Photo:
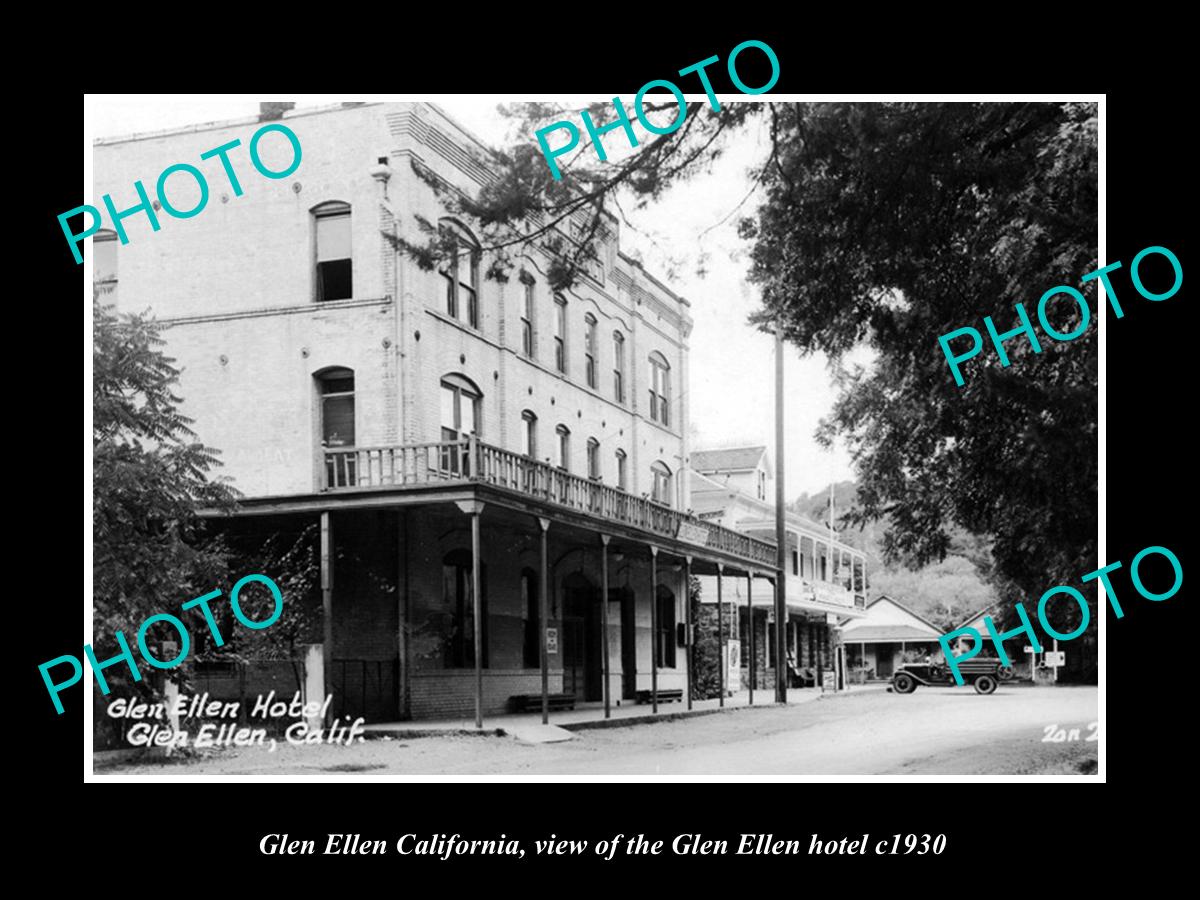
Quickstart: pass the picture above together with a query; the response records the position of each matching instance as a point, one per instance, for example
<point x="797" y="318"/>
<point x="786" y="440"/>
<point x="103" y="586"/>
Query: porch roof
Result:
<point x="886" y="634"/>
<point x="452" y="472"/>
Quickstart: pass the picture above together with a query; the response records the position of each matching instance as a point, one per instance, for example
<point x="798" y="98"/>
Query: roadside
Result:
<point x="934" y="731"/>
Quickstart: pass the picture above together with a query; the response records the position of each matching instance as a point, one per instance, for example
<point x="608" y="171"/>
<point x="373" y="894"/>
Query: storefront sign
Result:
<point x="693" y="534"/>
<point x="733" y="657"/>
<point x="551" y="640"/>
<point x="833" y="594"/>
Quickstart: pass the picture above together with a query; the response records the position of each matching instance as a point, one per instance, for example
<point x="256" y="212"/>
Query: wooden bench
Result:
<point x="533" y="702"/>
<point x="665" y="695"/>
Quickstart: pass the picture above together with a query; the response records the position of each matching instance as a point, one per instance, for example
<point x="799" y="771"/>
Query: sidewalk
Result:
<point x="591" y="715"/>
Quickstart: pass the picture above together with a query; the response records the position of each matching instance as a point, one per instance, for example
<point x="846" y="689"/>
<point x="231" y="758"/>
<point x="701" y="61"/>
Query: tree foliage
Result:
<point x="150" y="478"/>
<point x="152" y="551"/>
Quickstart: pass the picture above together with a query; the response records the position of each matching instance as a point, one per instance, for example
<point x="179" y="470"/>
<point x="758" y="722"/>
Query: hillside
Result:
<point x="945" y="592"/>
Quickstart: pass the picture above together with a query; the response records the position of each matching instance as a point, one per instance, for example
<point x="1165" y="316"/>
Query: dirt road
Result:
<point x="933" y="731"/>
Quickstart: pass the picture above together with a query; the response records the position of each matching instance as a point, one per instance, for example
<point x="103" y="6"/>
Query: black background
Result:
<point x="991" y="828"/>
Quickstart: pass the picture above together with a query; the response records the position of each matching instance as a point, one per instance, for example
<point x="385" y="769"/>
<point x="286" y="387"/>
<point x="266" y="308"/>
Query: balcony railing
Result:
<point x="475" y="461"/>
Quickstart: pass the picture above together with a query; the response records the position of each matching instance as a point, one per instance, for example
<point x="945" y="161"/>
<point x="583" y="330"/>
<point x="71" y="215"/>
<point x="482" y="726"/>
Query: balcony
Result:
<point x="474" y="462"/>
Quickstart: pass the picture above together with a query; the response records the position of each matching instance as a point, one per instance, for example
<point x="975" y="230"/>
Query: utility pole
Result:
<point x="780" y="530"/>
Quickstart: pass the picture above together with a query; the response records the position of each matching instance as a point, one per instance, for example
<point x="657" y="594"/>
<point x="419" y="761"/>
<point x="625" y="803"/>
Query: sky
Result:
<point x="732" y="365"/>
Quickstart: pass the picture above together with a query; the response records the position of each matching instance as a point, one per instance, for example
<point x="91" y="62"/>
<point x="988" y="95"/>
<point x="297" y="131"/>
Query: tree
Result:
<point x="150" y="479"/>
<point x="291" y="561"/>
<point x="152" y="549"/>
<point x="890" y="224"/>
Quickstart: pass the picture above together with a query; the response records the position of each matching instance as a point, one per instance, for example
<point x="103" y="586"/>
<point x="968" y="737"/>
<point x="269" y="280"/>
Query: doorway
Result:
<point x="628" y="643"/>
<point x="581" y="638"/>
<point x="883" y="660"/>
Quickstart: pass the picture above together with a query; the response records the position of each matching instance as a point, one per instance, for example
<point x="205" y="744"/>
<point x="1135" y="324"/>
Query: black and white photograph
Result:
<point x="661" y="436"/>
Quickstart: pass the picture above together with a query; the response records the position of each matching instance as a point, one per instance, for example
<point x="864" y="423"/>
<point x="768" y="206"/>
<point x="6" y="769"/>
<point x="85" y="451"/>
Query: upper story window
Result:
<point x="460" y="418"/>
<point x="762" y="485"/>
<point x="592" y="264"/>
<point x="529" y="442"/>
<point x="806" y="558"/>
<point x="662" y="483"/>
<point x="460" y="272"/>
<point x="334" y="263"/>
<point x="104" y="261"/>
<point x="593" y="459"/>
<point x="622" y="481"/>
<point x="528" y="308"/>
<point x="560" y="333"/>
<point x="660" y="389"/>
<point x="337" y="407"/>
<point x="589" y="348"/>
<point x="618" y="367"/>
<point x="564" y="447"/>
<point x="336" y="390"/>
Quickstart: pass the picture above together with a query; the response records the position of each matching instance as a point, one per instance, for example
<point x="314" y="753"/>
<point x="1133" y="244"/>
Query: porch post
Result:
<point x="327" y="603"/>
<point x="750" y="630"/>
<point x="654" y="628"/>
<point x="720" y="636"/>
<point x="473" y="508"/>
<point x="544" y="615"/>
<point x="604" y="539"/>
<point x="687" y="625"/>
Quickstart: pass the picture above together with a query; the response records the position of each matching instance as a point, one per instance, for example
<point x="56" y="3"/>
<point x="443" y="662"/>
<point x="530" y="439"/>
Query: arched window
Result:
<point x="529" y="441"/>
<point x="334" y="274"/>
<point x="531" y="611"/>
<point x="528" y="316"/>
<point x="662" y="483"/>
<point x="460" y="418"/>
<point x="593" y="459"/>
<point x="104" y="261"/>
<point x="560" y="333"/>
<point x="564" y="447"/>
<point x="618" y="367"/>
<point x="622" y="479"/>
<point x="460" y="271"/>
<point x="660" y="389"/>
<point x="459" y="612"/>
<point x="589" y="349"/>
<point x="335" y="389"/>
<point x="337" y="407"/>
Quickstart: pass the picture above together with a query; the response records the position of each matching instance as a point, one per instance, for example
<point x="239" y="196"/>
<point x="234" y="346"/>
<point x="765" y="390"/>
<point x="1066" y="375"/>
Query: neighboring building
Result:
<point x="879" y="642"/>
<point x="428" y="420"/>
<point x="826" y="579"/>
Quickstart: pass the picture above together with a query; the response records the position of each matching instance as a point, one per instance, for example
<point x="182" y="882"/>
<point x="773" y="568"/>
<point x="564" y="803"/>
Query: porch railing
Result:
<point x="474" y="461"/>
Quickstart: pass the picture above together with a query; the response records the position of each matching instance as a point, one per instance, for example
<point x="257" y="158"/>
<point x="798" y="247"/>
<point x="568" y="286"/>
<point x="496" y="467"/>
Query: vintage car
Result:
<point x="984" y="673"/>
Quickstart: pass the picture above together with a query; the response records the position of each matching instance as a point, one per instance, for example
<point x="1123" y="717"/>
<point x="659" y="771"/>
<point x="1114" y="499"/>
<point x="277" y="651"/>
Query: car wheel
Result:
<point x="904" y="683"/>
<point x="985" y="684"/>
<point x="1007" y="673"/>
